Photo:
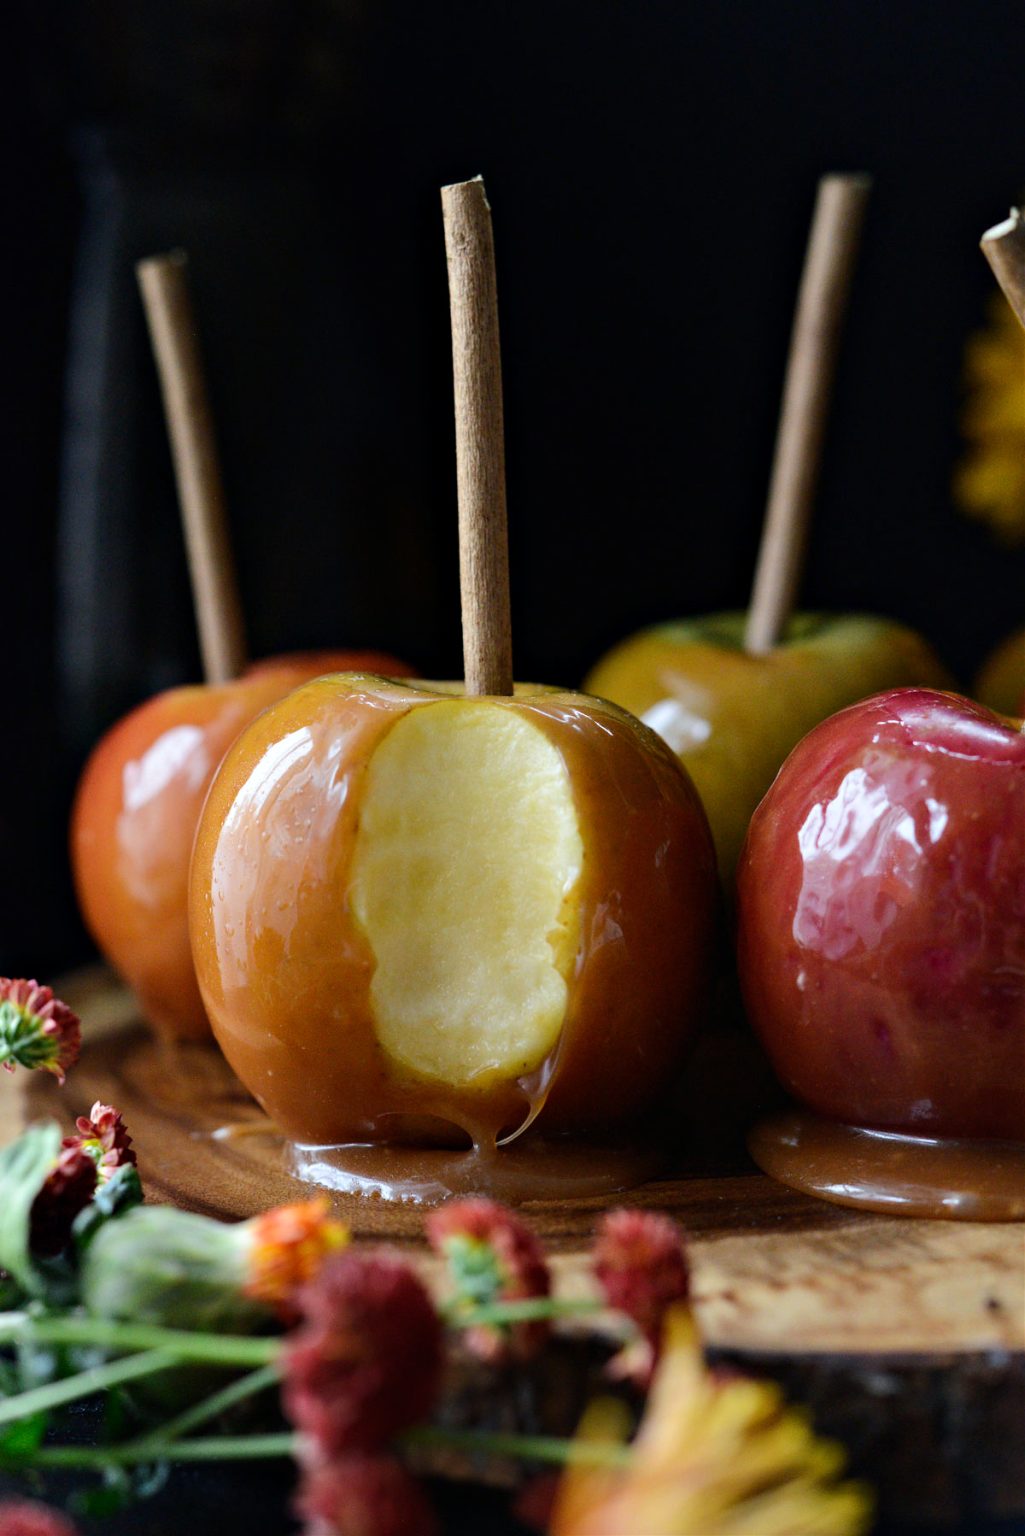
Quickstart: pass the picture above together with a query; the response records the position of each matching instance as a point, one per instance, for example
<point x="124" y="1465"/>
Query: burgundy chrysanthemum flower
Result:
<point x="102" y="1133"/>
<point x="361" y="1495"/>
<point x="68" y="1190"/>
<point x="366" y="1360"/>
<point x="37" y="1030"/>
<point x="641" y="1265"/>
<point x="24" y="1517"/>
<point x="492" y="1256"/>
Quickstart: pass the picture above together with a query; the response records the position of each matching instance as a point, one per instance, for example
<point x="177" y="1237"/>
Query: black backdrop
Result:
<point x="652" y="167"/>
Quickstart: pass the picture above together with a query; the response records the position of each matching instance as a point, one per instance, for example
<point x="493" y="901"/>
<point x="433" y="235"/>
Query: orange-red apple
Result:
<point x="134" y="820"/>
<point x="412" y="907"/>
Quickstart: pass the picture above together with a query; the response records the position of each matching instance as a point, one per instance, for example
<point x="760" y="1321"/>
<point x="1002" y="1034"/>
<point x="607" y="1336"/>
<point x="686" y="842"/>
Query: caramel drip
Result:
<point x="956" y="1180"/>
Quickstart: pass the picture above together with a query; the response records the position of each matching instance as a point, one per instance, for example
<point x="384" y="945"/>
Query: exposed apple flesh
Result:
<point x="465" y="880"/>
<point x="881" y="918"/>
<point x="732" y="717"/>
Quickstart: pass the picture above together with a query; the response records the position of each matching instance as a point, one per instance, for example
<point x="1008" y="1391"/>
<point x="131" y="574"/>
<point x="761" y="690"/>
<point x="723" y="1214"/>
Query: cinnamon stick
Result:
<point x="480" y="441"/>
<point x="1004" y="248"/>
<point x="163" y="282"/>
<point x="814" y="345"/>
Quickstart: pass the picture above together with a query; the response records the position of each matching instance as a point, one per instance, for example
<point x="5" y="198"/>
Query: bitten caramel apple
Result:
<point x="421" y="916"/>
<point x="134" y="820"/>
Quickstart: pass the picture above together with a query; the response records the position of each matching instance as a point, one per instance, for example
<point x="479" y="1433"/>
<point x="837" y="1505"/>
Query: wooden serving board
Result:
<point x="906" y="1337"/>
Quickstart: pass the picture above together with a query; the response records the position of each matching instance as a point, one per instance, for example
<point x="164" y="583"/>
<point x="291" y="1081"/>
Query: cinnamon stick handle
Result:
<point x="821" y="305"/>
<point x="1004" y="248"/>
<point x="480" y="444"/>
<point x="163" y="282"/>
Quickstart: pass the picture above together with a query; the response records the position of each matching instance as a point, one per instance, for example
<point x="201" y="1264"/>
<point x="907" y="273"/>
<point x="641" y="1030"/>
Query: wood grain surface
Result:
<point x="773" y="1269"/>
<point x="905" y="1337"/>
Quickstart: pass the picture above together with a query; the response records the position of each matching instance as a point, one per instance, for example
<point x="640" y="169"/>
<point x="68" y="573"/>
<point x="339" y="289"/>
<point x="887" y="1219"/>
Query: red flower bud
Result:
<point x="361" y="1495"/>
<point x="492" y="1256"/>
<point x="37" y="1030"/>
<point x="21" y="1517"/>
<point x="641" y="1265"/>
<point x="68" y="1190"/>
<point x="366" y="1360"/>
<point x="103" y="1135"/>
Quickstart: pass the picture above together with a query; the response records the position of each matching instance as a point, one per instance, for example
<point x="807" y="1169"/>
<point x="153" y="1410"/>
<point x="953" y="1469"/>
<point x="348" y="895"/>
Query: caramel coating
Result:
<point x="285" y="970"/>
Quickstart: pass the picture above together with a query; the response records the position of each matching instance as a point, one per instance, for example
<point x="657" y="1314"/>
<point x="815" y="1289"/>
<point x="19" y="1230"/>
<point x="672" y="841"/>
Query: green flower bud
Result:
<point x="165" y="1266"/>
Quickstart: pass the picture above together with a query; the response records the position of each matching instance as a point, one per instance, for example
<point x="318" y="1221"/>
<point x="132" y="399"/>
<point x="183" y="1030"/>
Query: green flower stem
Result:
<point x="528" y="1310"/>
<point x="586" y="1453"/>
<point x="98" y="1378"/>
<point x="256" y="1447"/>
<point x="217" y="1403"/>
<point x="207" y="1348"/>
<point x="216" y="1448"/>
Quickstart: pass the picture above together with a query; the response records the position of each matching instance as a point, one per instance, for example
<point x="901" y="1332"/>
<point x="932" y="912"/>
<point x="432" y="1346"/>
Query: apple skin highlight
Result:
<point x="286" y="970"/>
<point x="881" y="910"/>
<point x="134" y="820"/>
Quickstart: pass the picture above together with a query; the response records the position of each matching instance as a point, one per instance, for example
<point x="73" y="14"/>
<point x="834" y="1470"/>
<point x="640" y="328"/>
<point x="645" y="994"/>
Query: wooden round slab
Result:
<point x="906" y="1338"/>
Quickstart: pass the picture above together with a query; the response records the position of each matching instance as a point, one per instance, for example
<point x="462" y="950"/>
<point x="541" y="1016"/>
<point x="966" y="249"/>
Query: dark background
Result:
<point x="652" y="166"/>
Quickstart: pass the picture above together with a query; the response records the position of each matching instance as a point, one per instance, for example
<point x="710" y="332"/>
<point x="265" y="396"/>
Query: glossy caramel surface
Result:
<point x="881" y="910"/>
<point x="134" y="821"/>
<point x="732" y="718"/>
<point x="899" y="1175"/>
<point x="285" y="970"/>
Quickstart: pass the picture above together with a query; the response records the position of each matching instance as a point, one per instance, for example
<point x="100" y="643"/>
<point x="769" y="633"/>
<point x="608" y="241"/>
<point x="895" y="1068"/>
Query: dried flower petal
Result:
<point x="361" y="1495"/>
<point x="366" y="1361"/>
<point x="68" y="1190"/>
<point x="102" y="1133"/>
<point x="641" y="1265"/>
<point x="288" y="1246"/>
<point x="492" y="1256"/>
<point x="715" y="1453"/>
<point x="37" y="1030"/>
<point x="24" y="1517"/>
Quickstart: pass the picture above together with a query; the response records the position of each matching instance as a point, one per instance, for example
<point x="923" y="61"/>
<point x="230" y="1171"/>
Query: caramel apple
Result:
<point x="414" y="911"/>
<point x="732" y="717"/>
<point x="881" y="944"/>
<point x="881" y="901"/>
<point x="134" y="821"/>
<point x="448" y="914"/>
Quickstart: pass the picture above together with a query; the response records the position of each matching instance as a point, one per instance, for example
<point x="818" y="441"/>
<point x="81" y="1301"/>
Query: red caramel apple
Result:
<point x="134" y="821"/>
<point x="421" y="915"/>
<point x="881" y="902"/>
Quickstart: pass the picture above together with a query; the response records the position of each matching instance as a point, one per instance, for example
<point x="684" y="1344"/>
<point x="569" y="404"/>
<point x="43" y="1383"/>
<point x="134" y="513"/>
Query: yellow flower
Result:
<point x="715" y="1455"/>
<point x="990" y="480"/>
